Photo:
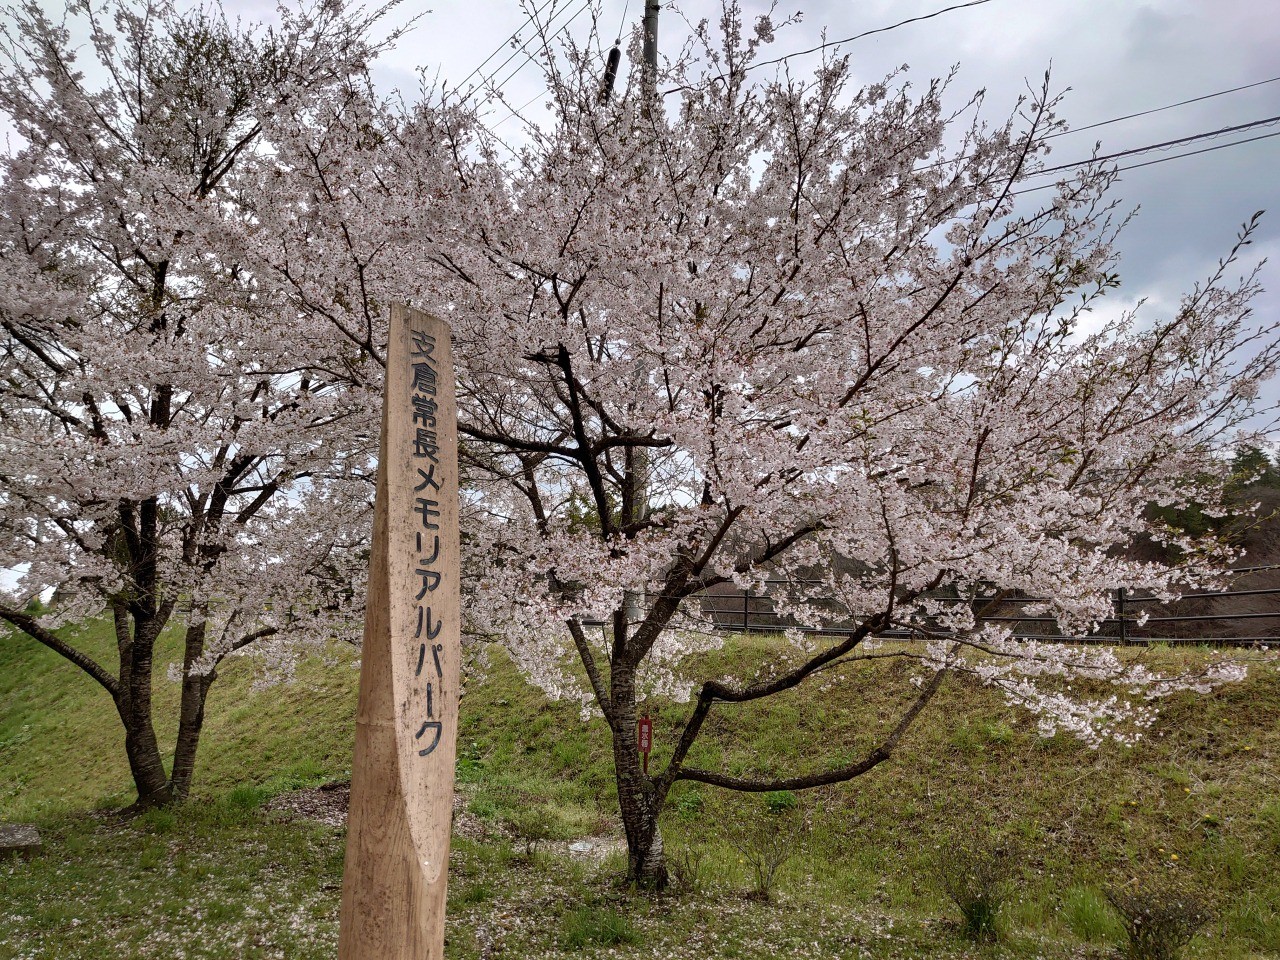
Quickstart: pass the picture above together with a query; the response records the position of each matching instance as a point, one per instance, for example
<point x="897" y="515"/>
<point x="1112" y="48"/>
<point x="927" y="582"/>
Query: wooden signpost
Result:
<point x="393" y="885"/>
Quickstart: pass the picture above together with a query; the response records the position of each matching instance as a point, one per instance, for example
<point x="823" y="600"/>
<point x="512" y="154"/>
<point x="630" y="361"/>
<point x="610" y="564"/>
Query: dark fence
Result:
<point x="1244" y="617"/>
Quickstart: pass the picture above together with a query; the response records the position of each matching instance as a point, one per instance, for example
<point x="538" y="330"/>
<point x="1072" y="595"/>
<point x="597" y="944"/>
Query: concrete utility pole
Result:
<point x="636" y="461"/>
<point x="650" y="80"/>
<point x="394" y="878"/>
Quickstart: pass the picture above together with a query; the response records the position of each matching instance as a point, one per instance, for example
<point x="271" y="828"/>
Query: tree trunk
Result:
<point x="134" y="707"/>
<point x="646" y="859"/>
<point x="195" y="689"/>
<point x="646" y="864"/>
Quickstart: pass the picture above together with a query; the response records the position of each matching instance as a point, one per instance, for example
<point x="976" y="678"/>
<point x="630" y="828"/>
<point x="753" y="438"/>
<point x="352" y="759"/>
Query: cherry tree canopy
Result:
<point x="792" y="330"/>
<point x="782" y="328"/>
<point x="176" y="436"/>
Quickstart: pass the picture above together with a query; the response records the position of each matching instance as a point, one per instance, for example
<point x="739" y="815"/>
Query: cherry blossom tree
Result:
<point x="782" y="329"/>
<point x="178" y="444"/>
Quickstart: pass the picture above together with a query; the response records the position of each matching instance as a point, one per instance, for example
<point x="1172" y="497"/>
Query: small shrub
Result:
<point x="1159" y="918"/>
<point x="531" y="825"/>
<point x="766" y="844"/>
<point x="978" y="879"/>
<point x="590" y="926"/>
<point x="688" y="869"/>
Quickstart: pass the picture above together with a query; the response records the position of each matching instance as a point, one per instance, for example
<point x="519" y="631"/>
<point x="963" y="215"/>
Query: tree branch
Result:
<point x="593" y="670"/>
<point x="245" y="640"/>
<point x="28" y="625"/>
<point x="877" y="756"/>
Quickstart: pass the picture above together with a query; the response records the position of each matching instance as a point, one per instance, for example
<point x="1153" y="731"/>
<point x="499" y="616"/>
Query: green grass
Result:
<point x="1087" y="914"/>
<point x="230" y="879"/>
<point x="594" y="925"/>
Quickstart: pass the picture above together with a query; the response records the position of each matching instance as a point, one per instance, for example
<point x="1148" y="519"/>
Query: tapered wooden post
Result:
<point x="393" y="884"/>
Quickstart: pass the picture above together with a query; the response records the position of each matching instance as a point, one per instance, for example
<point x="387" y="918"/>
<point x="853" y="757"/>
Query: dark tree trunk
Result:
<point x="133" y="704"/>
<point x="646" y="863"/>
<point x="195" y="689"/>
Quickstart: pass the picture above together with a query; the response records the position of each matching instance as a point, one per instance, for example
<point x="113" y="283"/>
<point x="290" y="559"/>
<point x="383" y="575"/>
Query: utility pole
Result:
<point x="636" y="462"/>
<point x="650" y="79"/>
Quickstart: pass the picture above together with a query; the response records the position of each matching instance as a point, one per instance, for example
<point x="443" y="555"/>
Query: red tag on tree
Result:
<point x="646" y="734"/>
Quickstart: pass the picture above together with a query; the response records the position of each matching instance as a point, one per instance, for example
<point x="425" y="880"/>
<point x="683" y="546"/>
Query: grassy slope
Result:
<point x="1203" y="788"/>
<point x="62" y="746"/>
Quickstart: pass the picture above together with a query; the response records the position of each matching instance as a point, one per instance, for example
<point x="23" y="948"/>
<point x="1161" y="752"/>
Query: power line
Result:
<point x="1192" y="153"/>
<point x="622" y="24"/>
<point x="1128" y="116"/>
<point x="867" y="33"/>
<point x="517" y="111"/>
<point x="1238" y="128"/>
<point x="503" y="45"/>
<point x="1145" y="113"/>
<point x="524" y="46"/>
<point x="1176" y="156"/>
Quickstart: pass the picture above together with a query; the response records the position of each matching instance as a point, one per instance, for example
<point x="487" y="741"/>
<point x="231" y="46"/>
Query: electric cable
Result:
<point x="524" y="47"/>
<point x="866" y="33"/>
<point x="518" y="111"/>
<point x="1170" y="106"/>
<point x="1177" y="141"/>
<point x="1149" y="163"/>
<point x="502" y="46"/>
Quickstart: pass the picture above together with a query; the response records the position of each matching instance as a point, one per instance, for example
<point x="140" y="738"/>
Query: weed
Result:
<point x="471" y="765"/>
<point x="158" y="820"/>
<point x="688" y="869"/>
<point x="247" y="797"/>
<point x="1269" y="820"/>
<point x="766" y="843"/>
<point x="1087" y="914"/>
<point x="1256" y="917"/>
<point x="689" y="803"/>
<point x="530" y="826"/>
<point x="476" y="893"/>
<point x="780" y="801"/>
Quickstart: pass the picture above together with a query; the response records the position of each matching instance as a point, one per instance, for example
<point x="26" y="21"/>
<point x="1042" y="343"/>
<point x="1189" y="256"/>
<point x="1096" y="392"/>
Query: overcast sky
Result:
<point x="1117" y="57"/>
